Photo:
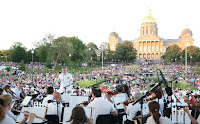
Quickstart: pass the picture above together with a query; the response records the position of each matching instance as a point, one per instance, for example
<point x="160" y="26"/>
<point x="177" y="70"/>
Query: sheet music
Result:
<point x="68" y="112"/>
<point x="74" y="100"/>
<point x="39" y="111"/>
<point x="65" y="97"/>
<point x="26" y="100"/>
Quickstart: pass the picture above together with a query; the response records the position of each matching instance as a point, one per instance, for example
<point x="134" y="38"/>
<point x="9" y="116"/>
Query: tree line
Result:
<point x="175" y="54"/>
<point x="69" y="51"/>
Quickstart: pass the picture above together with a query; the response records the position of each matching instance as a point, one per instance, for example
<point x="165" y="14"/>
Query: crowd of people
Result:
<point x="122" y="86"/>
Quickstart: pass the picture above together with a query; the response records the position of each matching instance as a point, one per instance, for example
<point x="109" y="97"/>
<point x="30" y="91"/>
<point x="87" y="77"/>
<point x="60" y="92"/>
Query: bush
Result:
<point x="8" y="68"/>
<point x="22" y="66"/>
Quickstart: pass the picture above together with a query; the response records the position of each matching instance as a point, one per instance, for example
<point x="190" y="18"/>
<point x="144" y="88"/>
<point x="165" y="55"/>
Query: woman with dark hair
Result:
<point x="126" y="91"/>
<point x="155" y="117"/>
<point x="78" y="116"/>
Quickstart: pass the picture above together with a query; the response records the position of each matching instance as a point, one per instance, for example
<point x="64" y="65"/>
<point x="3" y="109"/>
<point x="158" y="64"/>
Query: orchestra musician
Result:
<point x="157" y="95"/>
<point x="131" y="110"/>
<point x="167" y="104"/>
<point x="1" y="91"/>
<point x="55" y="105"/>
<point x="99" y="105"/>
<point x="5" y="106"/>
<point x="66" y="81"/>
<point x="50" y="96"/>
<point x="119" y="95"/>
<point x="78" y="116"/>
<point x="18" y="90"/>
<point x="156" y="117"/>
<point x="193" y="105"/>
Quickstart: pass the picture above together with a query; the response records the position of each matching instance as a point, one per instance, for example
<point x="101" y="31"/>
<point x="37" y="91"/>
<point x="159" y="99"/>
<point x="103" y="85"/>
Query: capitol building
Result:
<point x="150" y="45"/>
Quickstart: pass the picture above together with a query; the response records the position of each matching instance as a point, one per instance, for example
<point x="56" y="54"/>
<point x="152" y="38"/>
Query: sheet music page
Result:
<point x="68" y="112"/>
<point x="74" y="100"/>
<point x="26" y="100"/>
<point x="39" y="111"/>
<point x="65" y="97"/>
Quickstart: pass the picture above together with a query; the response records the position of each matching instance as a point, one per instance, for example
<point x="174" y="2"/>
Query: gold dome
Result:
<point x="149" y="18"/>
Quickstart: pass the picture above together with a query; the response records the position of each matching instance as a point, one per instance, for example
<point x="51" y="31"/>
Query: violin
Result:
<point x="85" y="103"/>
<point x="125" y="102"/>
<point x="111" y="93"/>
<point x="152" y="98"/>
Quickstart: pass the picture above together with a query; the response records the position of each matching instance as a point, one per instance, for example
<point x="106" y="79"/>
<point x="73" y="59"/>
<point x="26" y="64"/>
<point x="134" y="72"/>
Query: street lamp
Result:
<point x="175" y="60"/>
<point x="32" y="52"/>
<point x="191" y="59"/>
<point x="186" y="56"/>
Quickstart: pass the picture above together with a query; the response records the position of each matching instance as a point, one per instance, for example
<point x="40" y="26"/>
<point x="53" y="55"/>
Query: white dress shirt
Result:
<point x="46" y="99"/>
<point x="17" y="92"/>
<point x="52" y="109"/>
<point x="65" y="80"/>
<point x="163" y="120"/>
<point x="132" y="110"/>
<point x="100" y="106"/>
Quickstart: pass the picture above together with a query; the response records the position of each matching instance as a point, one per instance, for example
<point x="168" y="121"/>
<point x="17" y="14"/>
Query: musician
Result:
<point x="99" y="105"/>
<point x="167" y="104"/>
<point x="78" y="116"/>
<point x="157" y="95"/>
<point x="50" y="96"/>
<point x="193" y="121"/>
<point x="194" y="106"/>
<point x="1" y="91"/>
<point x="18" y="89"/>
<point x="131" y="110"/>
<point x="65" y="80"/>
<point x="156" y="117"/>
<point x="6" y="89"/>
<point x="5" y="106"/>
<point x="54" y="104"/>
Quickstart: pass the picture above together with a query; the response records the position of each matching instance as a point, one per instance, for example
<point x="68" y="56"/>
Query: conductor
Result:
<point x="66" y="81"/>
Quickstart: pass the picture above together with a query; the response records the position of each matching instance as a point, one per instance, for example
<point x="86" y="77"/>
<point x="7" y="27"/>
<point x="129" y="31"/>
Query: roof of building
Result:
<point x="187" y="30"/>
<point x="114" y="34"/>
<point x="171" y="40"/>
<point x="149" y="18"/>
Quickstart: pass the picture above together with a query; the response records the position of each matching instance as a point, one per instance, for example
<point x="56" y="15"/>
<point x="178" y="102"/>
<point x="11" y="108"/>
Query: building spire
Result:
<point x="113" y="29"/>
<point x="149" y="11"/>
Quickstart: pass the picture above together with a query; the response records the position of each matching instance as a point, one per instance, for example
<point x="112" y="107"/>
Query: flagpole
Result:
<point x="102" y="57"/>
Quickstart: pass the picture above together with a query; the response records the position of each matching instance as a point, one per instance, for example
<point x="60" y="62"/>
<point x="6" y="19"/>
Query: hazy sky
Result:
<point x="28" y="21"/>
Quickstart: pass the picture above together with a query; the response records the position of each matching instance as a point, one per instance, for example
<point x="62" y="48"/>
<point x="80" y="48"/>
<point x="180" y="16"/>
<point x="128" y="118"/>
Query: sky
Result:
<point x="28" y="21"/>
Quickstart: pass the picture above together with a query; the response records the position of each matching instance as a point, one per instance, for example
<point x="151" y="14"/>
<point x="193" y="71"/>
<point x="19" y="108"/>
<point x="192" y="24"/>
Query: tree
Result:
<point x="173" y="53"/>
<point x="78" y="53"/>
<point x="193" y="53"/>
<point x="44" y="48"/>
<point x="126" y="52"/>
<point x="18" y="52"/>
<point x="22" y="66"/>
<point x="90" y="53"/>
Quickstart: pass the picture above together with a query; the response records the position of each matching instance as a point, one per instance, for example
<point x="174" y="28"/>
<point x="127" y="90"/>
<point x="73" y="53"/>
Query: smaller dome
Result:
<point x="114" y="34"/>
<point x="187" y="30"/>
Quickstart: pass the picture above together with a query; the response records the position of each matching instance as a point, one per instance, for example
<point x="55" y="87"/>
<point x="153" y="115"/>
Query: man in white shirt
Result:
<point x="54" y="104"/>
<point x="18" y="90"/>
<point x="100" y="106"/>
<point x="49" y="97"/>
<point x="131" y="110"/>
<point x="66" y="81"/>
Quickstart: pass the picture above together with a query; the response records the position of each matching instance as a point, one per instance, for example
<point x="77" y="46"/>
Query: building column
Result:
<point x="155" y="49"/>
